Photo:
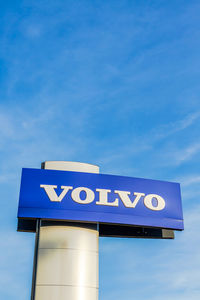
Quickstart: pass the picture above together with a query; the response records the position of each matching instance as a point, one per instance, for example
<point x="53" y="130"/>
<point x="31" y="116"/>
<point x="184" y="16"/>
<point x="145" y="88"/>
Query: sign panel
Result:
<point x="109" y="199"/>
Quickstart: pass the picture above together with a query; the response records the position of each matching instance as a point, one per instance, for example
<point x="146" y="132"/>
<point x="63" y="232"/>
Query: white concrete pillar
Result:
<point x="66" y="255"/>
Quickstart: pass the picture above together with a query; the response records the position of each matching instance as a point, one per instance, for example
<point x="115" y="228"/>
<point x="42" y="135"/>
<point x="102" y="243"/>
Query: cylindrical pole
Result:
<point x="66" y="254"/>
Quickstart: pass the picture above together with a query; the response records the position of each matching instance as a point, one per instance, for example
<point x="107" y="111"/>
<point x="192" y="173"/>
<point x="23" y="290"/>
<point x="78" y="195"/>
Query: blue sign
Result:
<point x="89" y="197"/>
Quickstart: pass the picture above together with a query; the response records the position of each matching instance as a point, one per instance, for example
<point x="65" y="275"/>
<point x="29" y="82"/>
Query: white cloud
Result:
<point x="180" y="262"/>
<point x="171" y="265"/>
<point x="33" y="30"/>
<point x="185" y="154"/>
<point x="179" y="125"/>
<point x="189" y="180"/>
<point x="15" y="260"/>
<point x="171" y="128"/>
<point x="6" y="125"/>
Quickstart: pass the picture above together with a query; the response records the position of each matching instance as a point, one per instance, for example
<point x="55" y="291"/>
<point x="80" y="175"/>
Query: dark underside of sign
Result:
<point x="105" y="230"/>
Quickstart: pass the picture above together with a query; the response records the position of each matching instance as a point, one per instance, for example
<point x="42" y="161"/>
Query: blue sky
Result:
<point x="113" y="83"/>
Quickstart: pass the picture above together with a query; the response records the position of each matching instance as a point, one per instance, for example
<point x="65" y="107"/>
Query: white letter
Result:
<point x="160" y="202"/>
<point x="126" y="200"/>
<point x="103" y="198"/>
<point x="89" y="195"/>
<point x="50" y="190"/>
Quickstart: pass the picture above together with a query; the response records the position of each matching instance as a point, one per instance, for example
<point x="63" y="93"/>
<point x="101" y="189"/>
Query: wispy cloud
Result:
<point x="117" y="84"/>
<point x="183" y="155"/>
<point x="173" y="127"/>
<point x="14" y="266"/>
<point x="171" y="265"/>
<point x="182" y="265"/>
<point x="6" y="126"/>
<point x="189" y="180"/>
<point x="169" y="152"/>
